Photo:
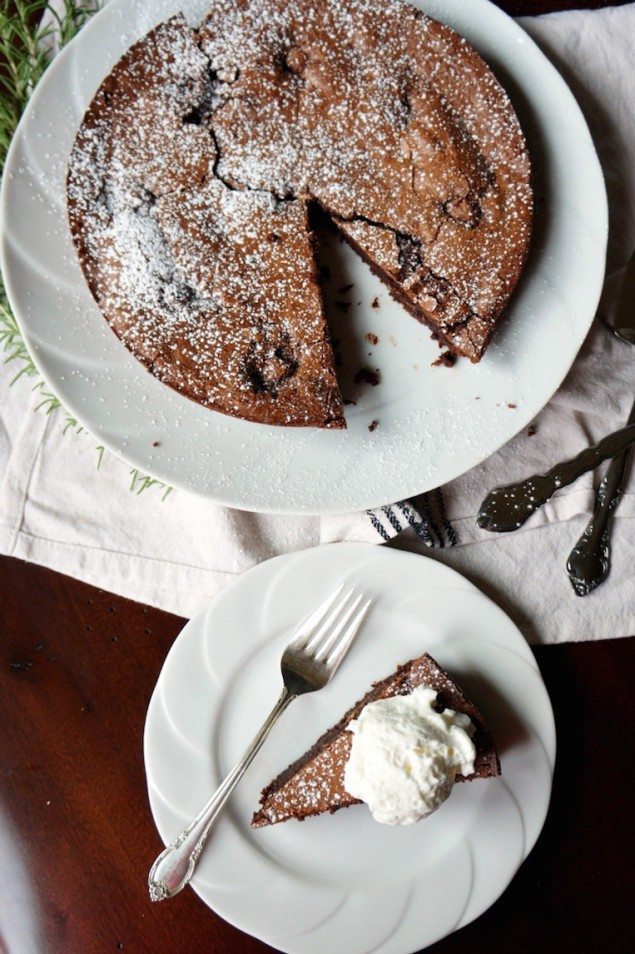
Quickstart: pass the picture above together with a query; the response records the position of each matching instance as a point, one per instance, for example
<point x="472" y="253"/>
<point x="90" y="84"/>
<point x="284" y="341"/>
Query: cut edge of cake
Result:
<point x="454" y="322"/>
<point x="310" y="395"/>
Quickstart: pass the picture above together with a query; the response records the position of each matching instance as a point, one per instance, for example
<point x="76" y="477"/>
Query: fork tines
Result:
<point x="328" y="632"/>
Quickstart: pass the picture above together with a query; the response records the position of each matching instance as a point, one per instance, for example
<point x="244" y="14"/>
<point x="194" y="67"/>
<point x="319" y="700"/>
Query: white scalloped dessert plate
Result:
<point x="430" y="428"/>
<point x="344" y="882"/>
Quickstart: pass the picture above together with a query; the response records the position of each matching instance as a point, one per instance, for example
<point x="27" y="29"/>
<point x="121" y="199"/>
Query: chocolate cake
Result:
<point x="314" y="784"/>
<point x="194" y="169"/>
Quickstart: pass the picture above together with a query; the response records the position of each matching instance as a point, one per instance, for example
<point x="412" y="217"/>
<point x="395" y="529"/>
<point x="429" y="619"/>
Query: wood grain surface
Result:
<point x="77" y="668"/>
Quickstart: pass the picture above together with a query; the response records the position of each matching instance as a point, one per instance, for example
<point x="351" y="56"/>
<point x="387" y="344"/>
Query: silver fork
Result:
<point x="310" y="660"/>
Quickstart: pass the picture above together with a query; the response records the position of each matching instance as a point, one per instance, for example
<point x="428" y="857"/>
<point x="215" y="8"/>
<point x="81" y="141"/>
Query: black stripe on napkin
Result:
<point x="416" y="521"/>
<point x="435" y="533"/>
<point x="449" y="529"/>
<point x="377" y="525"/>
<point x="393" y="519"/>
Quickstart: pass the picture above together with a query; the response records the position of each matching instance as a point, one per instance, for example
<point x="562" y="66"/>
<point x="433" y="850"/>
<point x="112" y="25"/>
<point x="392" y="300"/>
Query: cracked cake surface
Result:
<point x="314" y="784"/>
<point x="191" y="177"/>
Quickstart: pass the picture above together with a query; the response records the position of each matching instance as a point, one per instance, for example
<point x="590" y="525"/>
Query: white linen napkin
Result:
<point x="59" y="509"/>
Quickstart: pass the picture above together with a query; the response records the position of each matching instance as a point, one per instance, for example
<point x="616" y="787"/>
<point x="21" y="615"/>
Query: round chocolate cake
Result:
<point x="194" y="170"/>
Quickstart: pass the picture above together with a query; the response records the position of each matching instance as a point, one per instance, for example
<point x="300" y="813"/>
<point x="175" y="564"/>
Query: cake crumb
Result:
<point x="375" y="303"/>
<point x="156" y="443"/>
<point x="372" y="338"/>
<point x="368" y="376"/>
<point x="531" y="430"/>
<point x="373" y="425"/>
<point x="512" y="406"/>
<point x="446" y="359"/>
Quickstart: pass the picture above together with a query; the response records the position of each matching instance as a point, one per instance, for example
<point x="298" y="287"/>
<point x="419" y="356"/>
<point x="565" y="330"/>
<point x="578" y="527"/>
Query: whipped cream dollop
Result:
<point x="405" y="756"/>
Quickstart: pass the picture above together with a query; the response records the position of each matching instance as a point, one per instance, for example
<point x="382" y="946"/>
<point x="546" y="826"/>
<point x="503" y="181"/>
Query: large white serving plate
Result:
<point x="343" y="882"/>
<point x="431" y="425"/>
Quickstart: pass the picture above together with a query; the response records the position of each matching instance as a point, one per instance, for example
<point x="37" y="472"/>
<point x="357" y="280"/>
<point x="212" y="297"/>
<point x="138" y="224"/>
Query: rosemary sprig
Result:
<point x="27" y="42"/>
<point x="23" y="59"/>
<point x="12" y="343"/>
<point x="49" y="402"/>
<point x="31" y="32"/>
<point x="72" y="424"/>
<point x="141" y="482"/>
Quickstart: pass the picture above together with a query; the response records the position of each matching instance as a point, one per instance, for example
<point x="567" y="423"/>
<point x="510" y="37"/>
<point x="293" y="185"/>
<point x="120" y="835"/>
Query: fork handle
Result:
<point x="589" y="562"/>
<point x="175" y="865"/>
<point x="507" y="508"/>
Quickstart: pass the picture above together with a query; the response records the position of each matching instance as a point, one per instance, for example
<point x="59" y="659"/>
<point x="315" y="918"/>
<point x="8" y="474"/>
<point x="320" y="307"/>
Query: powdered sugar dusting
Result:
<point x="400" y="131"/>
<point x="190" y="177"/>
<point x="212" y="287"/>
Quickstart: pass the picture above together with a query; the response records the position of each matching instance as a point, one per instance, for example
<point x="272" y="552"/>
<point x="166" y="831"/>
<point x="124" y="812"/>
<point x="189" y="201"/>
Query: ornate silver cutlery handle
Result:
<point x="507" y="508"/>
<point x="590" y="560"/>
<point x="175" y="865"/>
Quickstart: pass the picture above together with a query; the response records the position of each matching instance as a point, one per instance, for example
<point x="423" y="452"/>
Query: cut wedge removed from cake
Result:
<point x="314" y="784"/>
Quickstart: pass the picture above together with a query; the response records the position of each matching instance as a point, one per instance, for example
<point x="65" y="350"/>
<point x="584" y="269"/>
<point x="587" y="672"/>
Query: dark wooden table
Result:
<point x="77" y="668"/>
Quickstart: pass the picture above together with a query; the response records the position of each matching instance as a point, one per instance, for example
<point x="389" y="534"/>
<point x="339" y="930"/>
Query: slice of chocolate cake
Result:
<point x="315" y="782"/>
